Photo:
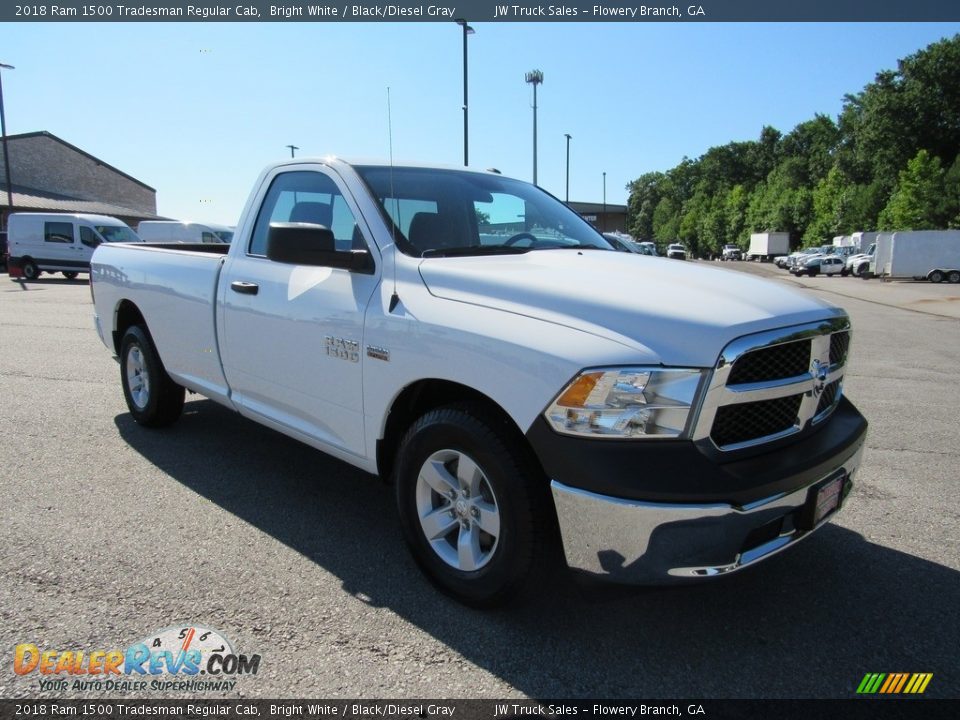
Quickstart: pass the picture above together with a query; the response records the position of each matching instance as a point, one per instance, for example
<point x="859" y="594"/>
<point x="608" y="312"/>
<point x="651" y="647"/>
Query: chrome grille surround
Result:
<point x="819" y="388"/>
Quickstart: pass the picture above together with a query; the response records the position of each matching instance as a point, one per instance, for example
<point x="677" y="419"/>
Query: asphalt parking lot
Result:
<point x="111" y="532"/>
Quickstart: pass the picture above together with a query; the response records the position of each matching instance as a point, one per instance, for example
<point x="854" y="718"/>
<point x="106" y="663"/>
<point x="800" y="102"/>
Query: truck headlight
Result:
<point x="634" y="402"/>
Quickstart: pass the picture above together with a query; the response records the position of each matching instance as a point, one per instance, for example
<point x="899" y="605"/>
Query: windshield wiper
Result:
<point x="475" y="250"/>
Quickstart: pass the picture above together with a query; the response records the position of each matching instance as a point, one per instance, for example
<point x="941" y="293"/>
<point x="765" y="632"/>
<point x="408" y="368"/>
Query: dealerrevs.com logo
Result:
<point x="185" y="659"/>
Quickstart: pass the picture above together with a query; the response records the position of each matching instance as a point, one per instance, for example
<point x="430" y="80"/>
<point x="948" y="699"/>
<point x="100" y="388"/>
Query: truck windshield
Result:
<point x="450" y="212"/>
<point x="224" y="235"/>
<point x="117" y="233"/>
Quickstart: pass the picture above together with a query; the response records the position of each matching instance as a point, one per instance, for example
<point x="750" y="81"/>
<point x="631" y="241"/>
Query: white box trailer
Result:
<point x="881" y="253"/>
<point x="769" y="245"/>
<point x="863" y="240"/>
<point x="920" y="254"/>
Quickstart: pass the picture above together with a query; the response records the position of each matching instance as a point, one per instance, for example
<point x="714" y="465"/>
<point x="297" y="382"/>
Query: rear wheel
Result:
<point x="936" y="276"/>
<point x="30" y="269"/>
<point x="473" y="505"/>
<point x="153" y="398"/>
<point x="953" y="276"/>
<point x="71" y="275"/>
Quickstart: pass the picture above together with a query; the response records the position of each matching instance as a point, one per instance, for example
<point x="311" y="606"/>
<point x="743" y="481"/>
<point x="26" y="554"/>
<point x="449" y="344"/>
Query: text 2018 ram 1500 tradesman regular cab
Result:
<point x="470" y="338"/>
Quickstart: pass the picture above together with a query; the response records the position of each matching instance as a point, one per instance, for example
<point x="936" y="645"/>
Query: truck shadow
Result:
<point x="809" y="623"/>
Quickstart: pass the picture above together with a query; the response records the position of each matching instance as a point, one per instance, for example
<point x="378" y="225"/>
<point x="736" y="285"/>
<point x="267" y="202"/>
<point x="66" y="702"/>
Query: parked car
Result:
<point x="731" y="252"/>
<point x="173" y="231"/>
<point x="676" y="251"/>
<point x="799" y="257"/>
<point x="621" y="243"/>
<point x="648" y="248"/>
<point x="820" y="265"/>
<point x="60" y="242"/>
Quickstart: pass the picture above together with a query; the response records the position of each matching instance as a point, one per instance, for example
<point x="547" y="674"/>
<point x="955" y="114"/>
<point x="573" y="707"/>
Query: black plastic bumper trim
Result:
<point x="676" y="471"/>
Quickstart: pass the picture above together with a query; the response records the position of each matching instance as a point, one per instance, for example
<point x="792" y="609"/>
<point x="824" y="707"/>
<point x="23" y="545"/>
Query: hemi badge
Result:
<point x="378" y="353"/>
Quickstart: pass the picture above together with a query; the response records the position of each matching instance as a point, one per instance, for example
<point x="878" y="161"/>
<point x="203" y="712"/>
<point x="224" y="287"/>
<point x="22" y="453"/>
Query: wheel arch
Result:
<point x="126" y="315"/>
<point x="425" y="395"/>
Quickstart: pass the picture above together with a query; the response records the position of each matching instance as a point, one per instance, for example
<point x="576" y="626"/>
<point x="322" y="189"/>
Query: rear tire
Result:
<point x="30" y="270"/>
<point x="71" y="275"/>
<point x="474" y="506"/>
<point x="953" y="277"/>
<point x="936" y="276"/>
<point x="153" y="398"/>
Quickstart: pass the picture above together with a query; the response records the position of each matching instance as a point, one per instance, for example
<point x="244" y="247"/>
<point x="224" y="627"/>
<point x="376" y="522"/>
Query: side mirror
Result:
<point x="298" y="243"/>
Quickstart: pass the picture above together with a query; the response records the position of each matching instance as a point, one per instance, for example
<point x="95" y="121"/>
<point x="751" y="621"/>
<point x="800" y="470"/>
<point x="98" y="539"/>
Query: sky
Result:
<point x="197" y="110"/>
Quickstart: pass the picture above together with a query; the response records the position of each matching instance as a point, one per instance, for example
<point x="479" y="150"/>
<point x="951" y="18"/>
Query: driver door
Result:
<point x="292" y="335"/>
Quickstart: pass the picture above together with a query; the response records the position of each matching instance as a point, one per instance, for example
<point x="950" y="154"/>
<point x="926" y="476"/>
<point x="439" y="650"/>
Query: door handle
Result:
<point x="244" y="288"/>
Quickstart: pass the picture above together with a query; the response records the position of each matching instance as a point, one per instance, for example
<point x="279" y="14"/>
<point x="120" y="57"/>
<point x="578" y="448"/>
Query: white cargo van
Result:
<point x="174" y="231"/>
<point x="60" y="242"/>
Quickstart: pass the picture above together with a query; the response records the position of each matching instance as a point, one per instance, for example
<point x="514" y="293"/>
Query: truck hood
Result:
<point x="670" y="311"/>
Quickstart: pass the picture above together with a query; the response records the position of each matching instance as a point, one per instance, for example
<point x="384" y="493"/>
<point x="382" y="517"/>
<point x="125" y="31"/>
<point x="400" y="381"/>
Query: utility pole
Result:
<point x="6" y="152"/>
<point x="534" y="77"/>
<point x="292" y="148"/>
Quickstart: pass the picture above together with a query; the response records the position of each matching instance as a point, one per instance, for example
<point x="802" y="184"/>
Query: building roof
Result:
<point x="25" y="198"/>
<point x="51" y="136"/>
<point x="595" y="207"/>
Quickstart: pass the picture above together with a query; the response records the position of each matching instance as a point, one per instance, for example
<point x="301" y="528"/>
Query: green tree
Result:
<point x="645" y="194"/>
<point x="918" y="202"/>
<point x="735" y="214"/>
<point x="666" y="221"/>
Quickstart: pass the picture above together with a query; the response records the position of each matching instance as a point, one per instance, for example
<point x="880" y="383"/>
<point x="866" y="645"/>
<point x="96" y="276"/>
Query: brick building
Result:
<point x="605" y="218"/>
<point x="48" y="174"/>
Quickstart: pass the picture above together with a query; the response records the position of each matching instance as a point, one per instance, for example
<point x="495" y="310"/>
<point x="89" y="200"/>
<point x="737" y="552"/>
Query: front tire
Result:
<point x="474" y="506"/>
<point x="153" y="398"/>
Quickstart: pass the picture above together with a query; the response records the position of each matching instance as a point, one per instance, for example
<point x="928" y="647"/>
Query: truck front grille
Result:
<point x="779" y="361"/>
<point x="771" y="385"/>
<point x="747" y="421"/>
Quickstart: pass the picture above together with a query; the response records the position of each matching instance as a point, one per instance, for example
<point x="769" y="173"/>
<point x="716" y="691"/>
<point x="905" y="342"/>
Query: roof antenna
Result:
<point x="394" y="299"/>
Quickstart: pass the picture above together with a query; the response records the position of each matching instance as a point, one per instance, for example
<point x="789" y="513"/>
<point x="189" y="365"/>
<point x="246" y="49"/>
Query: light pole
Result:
<point x="534" y="77"/>
<point x="292" y="148"/>
<point x="467" y="30"/>
<point x="6" y="153"/>
<point x="604" y="201"/>
<point x="568" y="136"/>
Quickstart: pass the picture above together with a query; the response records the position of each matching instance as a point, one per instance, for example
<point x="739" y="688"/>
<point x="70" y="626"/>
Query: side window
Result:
<point x="88" y="237"/>
<point x="308" y="197"/>
<point x="208" y="237"/>
<point x="58" y="232"/>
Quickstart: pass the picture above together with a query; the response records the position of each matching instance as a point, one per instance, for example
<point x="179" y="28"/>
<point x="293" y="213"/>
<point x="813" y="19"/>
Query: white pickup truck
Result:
<point x="476" y="343"/>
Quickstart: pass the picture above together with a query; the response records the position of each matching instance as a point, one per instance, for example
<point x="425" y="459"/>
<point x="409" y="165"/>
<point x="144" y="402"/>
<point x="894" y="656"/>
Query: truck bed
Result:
<point x="175" y="288"/>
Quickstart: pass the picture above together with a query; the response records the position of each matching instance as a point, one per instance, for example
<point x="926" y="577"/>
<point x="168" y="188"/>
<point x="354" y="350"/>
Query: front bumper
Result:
<point x="655" y="538"/>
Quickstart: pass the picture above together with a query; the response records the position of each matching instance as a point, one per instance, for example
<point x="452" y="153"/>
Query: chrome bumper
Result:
<point x="636" y="542"/>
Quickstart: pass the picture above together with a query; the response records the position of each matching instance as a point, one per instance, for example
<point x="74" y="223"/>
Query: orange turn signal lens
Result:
<point x="576" y="395"/>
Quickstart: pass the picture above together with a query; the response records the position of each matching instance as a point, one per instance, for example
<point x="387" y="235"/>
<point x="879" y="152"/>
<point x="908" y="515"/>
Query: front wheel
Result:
<point x="936" y="276"/>
<point x="473" y="505"/>
<point x="153" y="398"/>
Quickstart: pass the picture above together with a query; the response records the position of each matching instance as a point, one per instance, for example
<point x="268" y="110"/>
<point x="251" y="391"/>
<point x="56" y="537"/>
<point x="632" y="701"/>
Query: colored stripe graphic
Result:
<point x="894" y="683"/>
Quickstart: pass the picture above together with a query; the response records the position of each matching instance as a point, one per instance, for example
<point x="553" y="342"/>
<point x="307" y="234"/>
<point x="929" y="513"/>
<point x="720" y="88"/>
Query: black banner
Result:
<point x="486" y="11"/>
<point x="855" y="709"/>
